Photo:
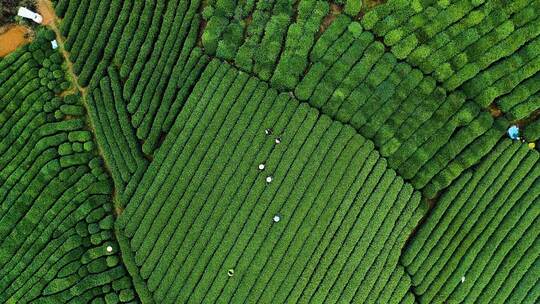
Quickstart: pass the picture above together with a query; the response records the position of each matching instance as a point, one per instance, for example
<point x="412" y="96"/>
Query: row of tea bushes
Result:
<point x="480" y="242"/>
<point x="56" y="222"/>
<point x="488" y="47"/>
<point x="420" y="127"/>
<point x="205" y="205"/>
<point x="153" y="46"/>
<point x="116" y="136"/>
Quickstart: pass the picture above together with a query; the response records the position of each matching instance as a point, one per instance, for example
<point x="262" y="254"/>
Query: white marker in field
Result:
<point x="269" y="179"/>
<point x="278" y="140"/>
<point x="230" y="272"/>
<point x="109" y="249"/>
<point x="26" y="13"/>
<point x="261" y="166"/>
<point x="268" y="131"/>
<point x="463" y="279"/>
<point x="276" y="218"/>
<point x="54" y="44"/>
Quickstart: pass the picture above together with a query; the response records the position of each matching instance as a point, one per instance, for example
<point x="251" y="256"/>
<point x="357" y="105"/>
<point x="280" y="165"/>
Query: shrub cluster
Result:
<point x="481" y="229"/>
<point x="209" y="208"/>
<point x="489" y="48"/>
<point x="350" y="114"/>
<point x="149" y="42"/>
<point x="56" y="224"/>
<point x="428" y="136"/>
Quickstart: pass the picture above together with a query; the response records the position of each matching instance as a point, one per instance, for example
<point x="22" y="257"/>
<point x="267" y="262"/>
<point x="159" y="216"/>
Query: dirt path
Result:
<point x="13" y="37"/>
<point x="46" y="9"/>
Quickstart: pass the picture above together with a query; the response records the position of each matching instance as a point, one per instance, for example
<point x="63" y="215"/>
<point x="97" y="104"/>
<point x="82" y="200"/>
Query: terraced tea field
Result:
<point x="278" y="151"/>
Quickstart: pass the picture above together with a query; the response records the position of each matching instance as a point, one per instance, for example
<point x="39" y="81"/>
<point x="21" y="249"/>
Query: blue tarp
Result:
<point x="513" y="132"/>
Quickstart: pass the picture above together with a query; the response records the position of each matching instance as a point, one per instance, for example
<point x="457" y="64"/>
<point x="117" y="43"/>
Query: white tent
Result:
<point x="26" y="13"/>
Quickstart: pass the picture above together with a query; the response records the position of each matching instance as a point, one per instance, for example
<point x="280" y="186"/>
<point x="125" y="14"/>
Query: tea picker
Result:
<point x="513" y="132"/>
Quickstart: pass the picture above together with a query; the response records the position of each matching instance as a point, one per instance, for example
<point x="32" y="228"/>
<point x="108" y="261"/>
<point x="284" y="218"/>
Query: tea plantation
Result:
<point x="273" y="151"/>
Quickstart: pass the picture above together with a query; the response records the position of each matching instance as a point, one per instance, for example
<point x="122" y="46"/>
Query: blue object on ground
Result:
<point x="513" y="132"/>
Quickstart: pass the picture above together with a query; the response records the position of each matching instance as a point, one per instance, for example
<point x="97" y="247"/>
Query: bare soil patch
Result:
<point x="494" y="110"/>
<point x="46" y="10"/>
<point x="335" y="10"/>
<point x="12" y="37"/>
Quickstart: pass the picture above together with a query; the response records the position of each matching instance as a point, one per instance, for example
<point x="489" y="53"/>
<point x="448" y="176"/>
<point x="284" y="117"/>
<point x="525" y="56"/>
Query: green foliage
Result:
<point x="212" y="33"/>
<point x="51" y="201"/>
<point x="353" y="7"/>
<point x="532" y="131"/>
<point x="474" y="225"/>
<point x="300" y="37"/>
<point x="176" y="241"/>
<point x="385" y="160"/>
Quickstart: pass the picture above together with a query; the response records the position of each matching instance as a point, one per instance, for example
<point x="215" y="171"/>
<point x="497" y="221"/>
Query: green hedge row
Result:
<point x="90" y="58"/>
<point x="300" y="38"/>
<point x="468" y="44"/>
<point x="183" y="78"/>
<point x="504" y="76"/>
<point x="203" y="207"/>
<point x="146" y="31"/>
<point x="532" y="131"/>
<point x="522" y="102"/>
<point x="413" y="122"/>
<point x="327" y="70"/>
<point x="55" y="220"/>
<point x="130" y="28"/>
<point x="73" y="21"/>
<point x="479" y="229"/>
<point x="183" y="64"/>
<point x="160" y="52"/>
<point x="115" y="134"/>
<point x="75" y="43"/>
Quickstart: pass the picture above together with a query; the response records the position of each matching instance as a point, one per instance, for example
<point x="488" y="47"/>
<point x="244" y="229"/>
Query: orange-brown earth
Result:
<point x="494" y="110"/>
<point x="12" y="37"/>
<point x="45" y="9"/>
